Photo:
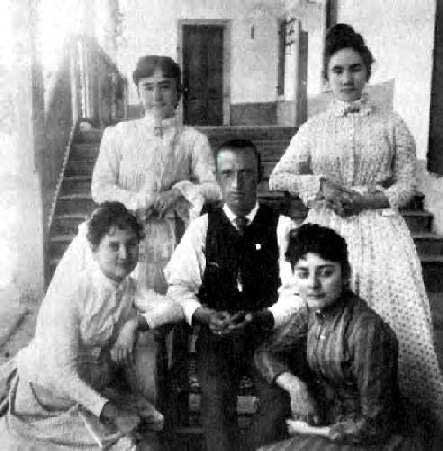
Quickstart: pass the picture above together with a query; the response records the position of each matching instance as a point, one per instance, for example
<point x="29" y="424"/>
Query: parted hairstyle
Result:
<point x="241" y="145"/>
<point x="111" y="214"/>
<point x="342" y="36"/>
<point x="146" y="66"/>
<point x="323" y="241"/>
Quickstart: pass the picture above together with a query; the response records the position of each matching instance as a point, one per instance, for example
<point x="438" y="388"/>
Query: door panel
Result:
<point x="203" y="74"/>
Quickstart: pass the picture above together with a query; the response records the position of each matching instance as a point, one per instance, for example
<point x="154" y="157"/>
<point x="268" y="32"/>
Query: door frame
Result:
<point x="226" y="24"/>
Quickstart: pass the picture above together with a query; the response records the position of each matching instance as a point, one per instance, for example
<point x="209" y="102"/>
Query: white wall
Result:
<point x="400" y="34"/>
<point x="151" y="27"/>
<point x="21" y="231"/>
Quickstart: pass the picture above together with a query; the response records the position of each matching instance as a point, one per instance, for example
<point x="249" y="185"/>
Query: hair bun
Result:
<point x="343" y="32"/>
<point x="340" y="29"/>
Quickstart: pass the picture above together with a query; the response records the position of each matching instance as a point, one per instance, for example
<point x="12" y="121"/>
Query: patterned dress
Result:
<point x="352" y="356"/>
<point x="366" y="149"/>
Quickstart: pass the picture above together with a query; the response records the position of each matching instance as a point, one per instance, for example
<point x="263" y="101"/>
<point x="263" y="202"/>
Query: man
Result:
<point x="225" y="275"/>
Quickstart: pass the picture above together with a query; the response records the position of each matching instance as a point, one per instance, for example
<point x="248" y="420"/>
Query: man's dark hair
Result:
<point x="241" y="145"/>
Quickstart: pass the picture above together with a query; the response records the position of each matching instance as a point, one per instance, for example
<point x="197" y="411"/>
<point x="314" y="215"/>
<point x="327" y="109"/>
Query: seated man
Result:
<point x="225" y="275"/>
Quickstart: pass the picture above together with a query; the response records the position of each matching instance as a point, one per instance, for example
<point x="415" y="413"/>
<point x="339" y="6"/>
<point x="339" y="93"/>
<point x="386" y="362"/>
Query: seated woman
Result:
<point x="349" y="398"/>
<point x="62" y="393"/>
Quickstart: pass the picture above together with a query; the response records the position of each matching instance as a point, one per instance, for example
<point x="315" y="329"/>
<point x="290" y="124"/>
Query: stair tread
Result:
<point x="69" y="216"/>
<point x="61" y="238"/>
<point x="75" y="196"/>
<point x="431" y="258"/>
<point x="77" y="177"/>
<point x="427" y="235"/>
<point x="416" y="213"/>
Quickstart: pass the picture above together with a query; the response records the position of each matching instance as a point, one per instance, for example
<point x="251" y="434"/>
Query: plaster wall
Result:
<point x="151" y="27"/>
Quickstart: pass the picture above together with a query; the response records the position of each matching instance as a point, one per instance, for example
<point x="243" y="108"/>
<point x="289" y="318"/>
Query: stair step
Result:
<point x="248" y="132"/>
<point x="80" y="167"/>
<point x="432" y="267"/>
<point x="58" y="245"/>
<point x="428" y="243"/>
<point x="76" y="184"/>
<point x="89" y="136"/>
<point x="418" y="221"/>
<point x="77" y="204"/>
<point x="436" y="303"/>
<point x="80" y="151"/>
<point x="66" y="224"/>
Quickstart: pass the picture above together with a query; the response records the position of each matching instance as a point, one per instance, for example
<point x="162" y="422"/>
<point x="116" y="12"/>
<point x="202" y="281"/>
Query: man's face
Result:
<point x="238" y="179"/>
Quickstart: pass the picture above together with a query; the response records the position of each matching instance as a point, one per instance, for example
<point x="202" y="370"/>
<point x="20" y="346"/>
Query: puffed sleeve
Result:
<point x="203" y="185"/>
<point x="184" y="272"/>
<point x="374" y="350"/>
<point x="293" y="172"/>
<point x="104" y="185"/>
<point x="58" y="344"/>
<point x="403" y="164"/>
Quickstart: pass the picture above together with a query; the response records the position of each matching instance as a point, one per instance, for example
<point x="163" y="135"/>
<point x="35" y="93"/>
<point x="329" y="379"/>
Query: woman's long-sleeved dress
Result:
<point x="361" y="147"/>
<point x="60" y="382"/>
<point x="135" y="164"/>
<point x="352" y="356"/>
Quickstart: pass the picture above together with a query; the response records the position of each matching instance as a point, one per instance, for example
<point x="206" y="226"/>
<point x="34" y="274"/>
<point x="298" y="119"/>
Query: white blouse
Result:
<point x="74" y="323"/>
<point x="134" y="164"/>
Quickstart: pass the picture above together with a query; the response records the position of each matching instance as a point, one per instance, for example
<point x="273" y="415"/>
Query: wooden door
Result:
<point x="203" y="74"/>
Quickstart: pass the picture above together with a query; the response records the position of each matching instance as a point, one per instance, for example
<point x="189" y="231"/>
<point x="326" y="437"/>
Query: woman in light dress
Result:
<point x="354" y="167"/>
<point x="156" y="167"/>
<point x="162" y="171"/>
<point x="64" y="391"/>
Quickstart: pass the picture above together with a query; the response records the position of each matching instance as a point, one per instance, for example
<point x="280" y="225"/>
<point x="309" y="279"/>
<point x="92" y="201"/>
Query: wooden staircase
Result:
<point x="75" y="203"/>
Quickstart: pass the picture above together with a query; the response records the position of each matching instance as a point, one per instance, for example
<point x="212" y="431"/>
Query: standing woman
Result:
<point x="155" y="166"/>
<point x="163" y="171"/>
<point x="354" y="167"/>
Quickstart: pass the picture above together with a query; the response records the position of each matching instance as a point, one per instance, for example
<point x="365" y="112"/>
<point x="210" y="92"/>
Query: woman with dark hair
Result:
<point x="65" y="387"/>
<point x="348" y="397"/>
<point x="155" y="166"/>
<point x="354" y="167"/>
<point x="164" y="172"/>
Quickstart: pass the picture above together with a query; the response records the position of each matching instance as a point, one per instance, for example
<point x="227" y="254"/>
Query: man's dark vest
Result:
<point x="254" y="255"/>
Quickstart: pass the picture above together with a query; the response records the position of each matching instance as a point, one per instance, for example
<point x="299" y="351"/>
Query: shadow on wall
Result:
<point x="382" y="94"/>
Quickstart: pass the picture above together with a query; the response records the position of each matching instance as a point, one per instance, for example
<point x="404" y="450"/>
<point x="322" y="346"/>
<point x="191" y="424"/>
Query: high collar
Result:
<point x="231" y="215"/>
<point x="359" y="107"/>
<point x="105" y="282"/>
<point x="167" y="123"/>
<point x="335" y="309"/>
